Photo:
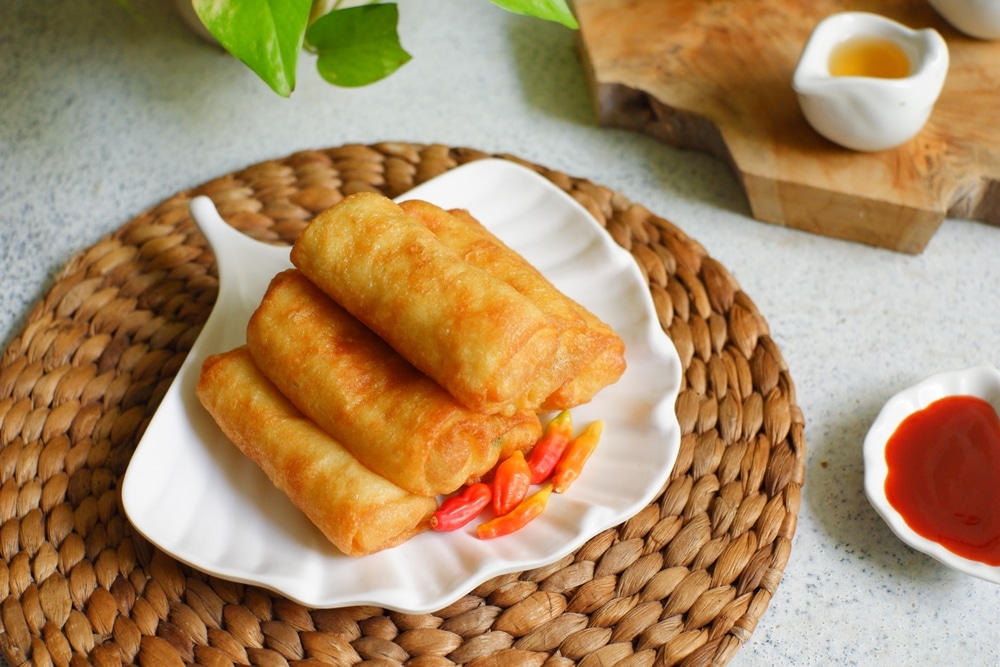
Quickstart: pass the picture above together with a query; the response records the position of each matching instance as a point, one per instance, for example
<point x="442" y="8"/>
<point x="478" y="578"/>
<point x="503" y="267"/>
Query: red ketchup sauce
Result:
<point x="944" y="476"/>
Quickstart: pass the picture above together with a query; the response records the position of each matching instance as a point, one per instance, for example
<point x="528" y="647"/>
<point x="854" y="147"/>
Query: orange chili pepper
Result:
<point x="549" y="449"/>
<point x="462" y="508"/>
<point x="527" y="510"/>
<point x="510" y="483"/>
<point x="570" y="465"/>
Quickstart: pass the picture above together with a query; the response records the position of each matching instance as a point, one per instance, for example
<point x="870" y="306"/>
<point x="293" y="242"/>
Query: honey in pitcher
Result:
<point x="869" y="56"/>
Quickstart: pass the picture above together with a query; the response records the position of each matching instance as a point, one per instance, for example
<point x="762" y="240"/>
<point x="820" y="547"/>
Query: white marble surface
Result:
<point x="103" y="115"/>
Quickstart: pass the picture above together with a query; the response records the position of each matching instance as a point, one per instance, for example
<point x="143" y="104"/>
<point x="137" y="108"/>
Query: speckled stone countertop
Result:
<point x="103" y="115"/>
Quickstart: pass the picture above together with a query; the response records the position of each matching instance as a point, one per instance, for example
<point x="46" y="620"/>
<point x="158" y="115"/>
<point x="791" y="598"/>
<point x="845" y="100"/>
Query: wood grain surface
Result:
<point x="715" y="76"/>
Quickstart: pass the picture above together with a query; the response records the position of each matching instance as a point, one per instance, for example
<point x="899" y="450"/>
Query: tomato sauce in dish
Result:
<point x="944" y="476"/>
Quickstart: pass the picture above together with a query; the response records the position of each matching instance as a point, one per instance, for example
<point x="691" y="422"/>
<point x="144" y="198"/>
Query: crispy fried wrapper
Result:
<point x="590" y="356"/>
<point x="359" y="511"/>
<point x="469" y="331"/>
<point x="393" y="418"/>
<point x="477" y="248"/>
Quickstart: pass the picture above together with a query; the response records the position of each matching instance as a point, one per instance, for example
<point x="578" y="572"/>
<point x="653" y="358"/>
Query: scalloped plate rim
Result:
<point x="575" y="517"/>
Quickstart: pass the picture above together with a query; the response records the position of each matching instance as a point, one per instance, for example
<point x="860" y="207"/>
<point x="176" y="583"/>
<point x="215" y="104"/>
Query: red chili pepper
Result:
<point x="520" y="516"/>
<point x="462" y="508"/>
<point x="549" y="449"/>
<point x="570" y="465"/>
<point x="510" y="483"/>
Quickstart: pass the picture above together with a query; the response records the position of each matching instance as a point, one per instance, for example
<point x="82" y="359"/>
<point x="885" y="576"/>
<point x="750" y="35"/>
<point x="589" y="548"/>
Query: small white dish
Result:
<point x="976" y="18"/>
<point x="195" y="496"/>
<point x="869" y="113"/>
<point x="979" y="381"/>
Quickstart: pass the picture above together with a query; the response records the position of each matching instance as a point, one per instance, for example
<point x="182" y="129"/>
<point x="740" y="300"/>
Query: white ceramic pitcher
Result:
<point x="869" y="113"/>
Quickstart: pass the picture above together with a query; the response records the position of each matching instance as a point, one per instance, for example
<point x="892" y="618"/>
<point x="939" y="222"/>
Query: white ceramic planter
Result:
<point x="976" y="18"/>
<point x="190" y="18"/>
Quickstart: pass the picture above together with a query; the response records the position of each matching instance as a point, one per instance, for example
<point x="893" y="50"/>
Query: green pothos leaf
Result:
<point x="356" y="46"/>
<point x="266" y="35"/>
<point x="548" y="10"/>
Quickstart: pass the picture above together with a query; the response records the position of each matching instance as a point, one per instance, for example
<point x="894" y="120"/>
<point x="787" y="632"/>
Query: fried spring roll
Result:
<point x="469" y="331"/>
<point x="357" y="510"/>
<point x="598" y="353"/>
<point x="603" y="370"/>
<point x="393" y="418"/>
<point x="476" y="246"/>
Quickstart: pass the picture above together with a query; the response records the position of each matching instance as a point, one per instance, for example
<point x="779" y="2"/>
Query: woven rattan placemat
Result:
<point x="683" y="582"/>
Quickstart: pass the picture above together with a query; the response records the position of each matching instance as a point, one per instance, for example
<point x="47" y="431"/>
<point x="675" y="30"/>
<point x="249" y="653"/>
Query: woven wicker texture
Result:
<point x="685" y="581"/>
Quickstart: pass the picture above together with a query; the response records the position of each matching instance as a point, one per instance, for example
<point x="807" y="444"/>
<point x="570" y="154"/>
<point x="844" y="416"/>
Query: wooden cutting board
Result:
<point x="715" y="76"/>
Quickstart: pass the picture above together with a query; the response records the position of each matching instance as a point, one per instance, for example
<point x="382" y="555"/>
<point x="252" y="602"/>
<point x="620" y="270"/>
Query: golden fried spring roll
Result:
<point x="599" y="352"/>
<point x="393" y="418"/>
<point x="470" y="240"/>
<point x="471" y="332"/>
<point x="357" y="510"/>
<point x="603" y="370"/>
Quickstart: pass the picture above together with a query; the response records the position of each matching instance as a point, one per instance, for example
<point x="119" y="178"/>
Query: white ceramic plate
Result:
<point x="194" y="495"/>
<point x="979" y="381"/>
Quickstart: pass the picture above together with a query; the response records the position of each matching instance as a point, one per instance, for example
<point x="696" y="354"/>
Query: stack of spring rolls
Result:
<point x="407" y="352"/>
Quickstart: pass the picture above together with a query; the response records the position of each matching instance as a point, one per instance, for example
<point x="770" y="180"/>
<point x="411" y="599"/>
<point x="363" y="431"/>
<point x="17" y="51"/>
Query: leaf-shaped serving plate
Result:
<point x="190" y="492"/>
